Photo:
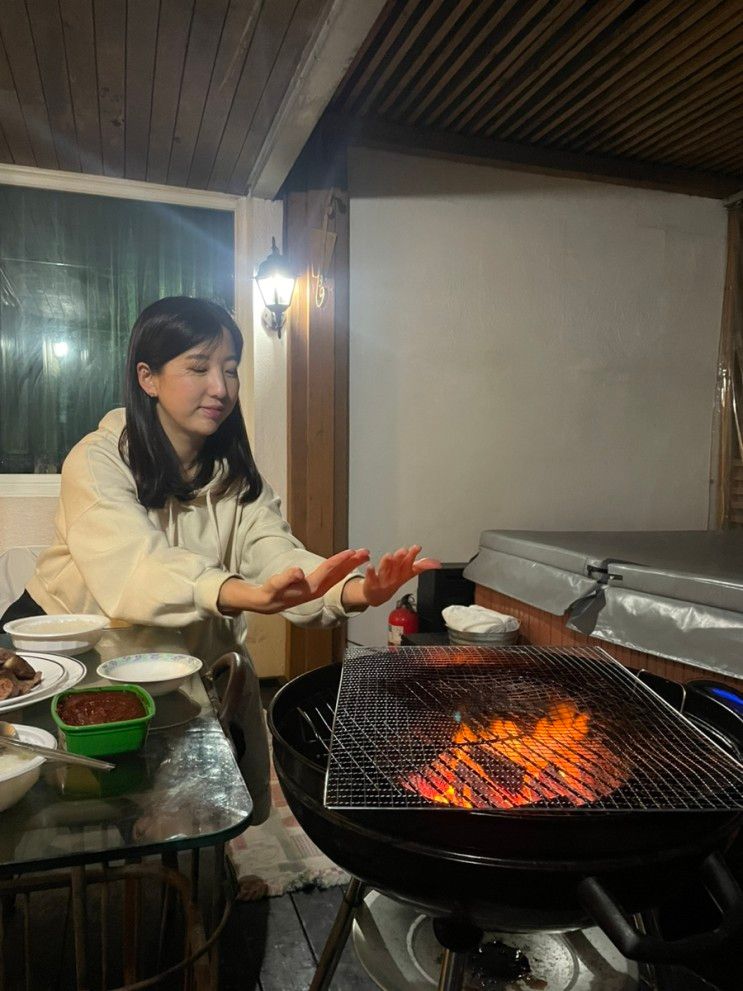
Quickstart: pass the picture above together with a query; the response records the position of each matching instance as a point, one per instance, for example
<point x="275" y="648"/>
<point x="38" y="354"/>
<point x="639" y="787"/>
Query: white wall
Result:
<point x="267" y="634"/>
<point x="526" y="352"/>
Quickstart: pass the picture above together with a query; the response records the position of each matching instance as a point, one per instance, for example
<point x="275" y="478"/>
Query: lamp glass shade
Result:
<point x="275" y="280"/>
<point x="276" y="288"/>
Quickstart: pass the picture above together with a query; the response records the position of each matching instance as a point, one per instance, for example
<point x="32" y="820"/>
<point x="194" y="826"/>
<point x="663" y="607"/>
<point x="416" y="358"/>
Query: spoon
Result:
<point x="9" y="739"/>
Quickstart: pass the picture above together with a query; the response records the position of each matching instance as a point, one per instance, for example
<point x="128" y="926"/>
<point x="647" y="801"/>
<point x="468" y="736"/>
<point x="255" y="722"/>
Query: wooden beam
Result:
<point x="325" y="61"/>
<point x="528" y="158"/>
<point x="317" y="370"/>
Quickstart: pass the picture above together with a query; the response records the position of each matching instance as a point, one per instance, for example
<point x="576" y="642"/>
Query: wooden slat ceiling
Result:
<point x="648" y="81"/>
<point x="181" y="92"/>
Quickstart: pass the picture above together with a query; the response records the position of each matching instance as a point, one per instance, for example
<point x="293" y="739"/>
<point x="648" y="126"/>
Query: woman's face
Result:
<point x="195" y="391"/>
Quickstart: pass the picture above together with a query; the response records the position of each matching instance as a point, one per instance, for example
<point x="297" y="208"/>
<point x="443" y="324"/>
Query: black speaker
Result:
<point x="437" y="589"/>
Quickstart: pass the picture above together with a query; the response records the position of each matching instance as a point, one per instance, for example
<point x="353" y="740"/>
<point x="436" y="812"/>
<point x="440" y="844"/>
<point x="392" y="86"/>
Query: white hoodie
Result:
<point x="163" y="567"/>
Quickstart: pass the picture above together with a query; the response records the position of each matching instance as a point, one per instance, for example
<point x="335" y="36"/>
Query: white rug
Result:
<point x="278" y="856"/>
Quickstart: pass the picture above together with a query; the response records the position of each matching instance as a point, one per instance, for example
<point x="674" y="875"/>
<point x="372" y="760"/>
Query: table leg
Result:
<point x="130" y="925"/>
<point x="27" y="937"/>
<point x="195" y="872"/>
<point x="104" y="929"/>
<point x="2" y="950"/>
<point x="80" y="925"/>
<point x="217" y="908"/>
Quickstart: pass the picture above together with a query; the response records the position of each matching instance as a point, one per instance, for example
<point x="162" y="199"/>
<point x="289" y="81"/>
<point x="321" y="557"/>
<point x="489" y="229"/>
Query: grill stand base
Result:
<point x="457" y="939"/>
<point x="338" y="936"/>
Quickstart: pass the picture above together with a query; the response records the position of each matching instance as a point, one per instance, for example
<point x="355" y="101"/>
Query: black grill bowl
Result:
<point x="509" y="871"/>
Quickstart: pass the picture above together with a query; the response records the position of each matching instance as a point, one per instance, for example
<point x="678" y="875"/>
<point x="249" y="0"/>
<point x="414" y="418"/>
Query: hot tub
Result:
<point x="671" y="601"/>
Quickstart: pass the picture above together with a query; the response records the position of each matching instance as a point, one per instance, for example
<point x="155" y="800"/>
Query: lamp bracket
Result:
<point x="273" y="321"/>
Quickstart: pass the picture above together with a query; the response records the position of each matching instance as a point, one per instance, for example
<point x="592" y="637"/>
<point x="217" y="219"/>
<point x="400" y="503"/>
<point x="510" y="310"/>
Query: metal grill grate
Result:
<point x="535" y="729"/>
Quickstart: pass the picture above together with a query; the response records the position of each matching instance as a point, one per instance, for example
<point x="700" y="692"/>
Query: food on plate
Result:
<point x="93" y="708"/>
<point x="17" y="677"/>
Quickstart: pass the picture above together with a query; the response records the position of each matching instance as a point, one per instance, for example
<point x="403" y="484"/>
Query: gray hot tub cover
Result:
<point x="678" y="594"/>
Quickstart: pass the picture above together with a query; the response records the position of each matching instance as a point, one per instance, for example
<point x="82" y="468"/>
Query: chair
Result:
<point x="17" y="565"/>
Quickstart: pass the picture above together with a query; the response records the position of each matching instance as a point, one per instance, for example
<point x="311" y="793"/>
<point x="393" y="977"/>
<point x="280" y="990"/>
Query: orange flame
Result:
<point x="556" y="760"/>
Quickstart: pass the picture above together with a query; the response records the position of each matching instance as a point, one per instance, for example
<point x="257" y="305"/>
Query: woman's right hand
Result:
<point x="289" y="588"/>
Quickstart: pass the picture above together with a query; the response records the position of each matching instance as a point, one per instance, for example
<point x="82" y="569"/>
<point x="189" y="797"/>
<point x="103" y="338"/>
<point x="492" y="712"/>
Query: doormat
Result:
<point x="278" y="856"/>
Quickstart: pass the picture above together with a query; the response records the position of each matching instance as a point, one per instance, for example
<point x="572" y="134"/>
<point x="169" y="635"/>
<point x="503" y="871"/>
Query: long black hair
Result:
<point x="161" y="332"/>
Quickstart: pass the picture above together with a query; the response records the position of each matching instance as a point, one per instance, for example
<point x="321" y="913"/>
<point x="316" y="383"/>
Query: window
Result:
<point x="75" y="271"/>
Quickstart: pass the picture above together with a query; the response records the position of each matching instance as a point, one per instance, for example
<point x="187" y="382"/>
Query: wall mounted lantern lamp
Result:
<point x="275" y="280"/>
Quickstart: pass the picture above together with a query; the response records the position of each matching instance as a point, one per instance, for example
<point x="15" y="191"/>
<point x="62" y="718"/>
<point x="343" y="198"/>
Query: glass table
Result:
<point x="182" y="791"/>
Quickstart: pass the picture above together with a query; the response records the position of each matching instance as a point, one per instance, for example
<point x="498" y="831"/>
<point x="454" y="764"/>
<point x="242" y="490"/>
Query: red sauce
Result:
<point x="89" y="708"/>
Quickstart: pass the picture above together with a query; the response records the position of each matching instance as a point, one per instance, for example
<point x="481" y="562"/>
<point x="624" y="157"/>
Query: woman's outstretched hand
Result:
<point x="291" y="587"/>
<point x="381" y="583"/>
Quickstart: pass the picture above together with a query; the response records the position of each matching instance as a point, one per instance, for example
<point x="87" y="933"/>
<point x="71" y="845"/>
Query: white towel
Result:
<point x="477" y="619"/>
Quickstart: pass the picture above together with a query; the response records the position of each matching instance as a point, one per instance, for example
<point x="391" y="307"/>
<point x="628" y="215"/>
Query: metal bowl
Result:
<point x="482" y="639"/>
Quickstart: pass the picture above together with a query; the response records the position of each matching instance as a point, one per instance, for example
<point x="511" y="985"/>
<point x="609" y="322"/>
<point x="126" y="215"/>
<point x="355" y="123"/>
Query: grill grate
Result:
<point x="535" y="729"/>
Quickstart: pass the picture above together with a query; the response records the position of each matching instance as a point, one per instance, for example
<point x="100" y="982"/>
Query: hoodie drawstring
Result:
<point x="171" y="528"/>
<point x="213" y="517"/>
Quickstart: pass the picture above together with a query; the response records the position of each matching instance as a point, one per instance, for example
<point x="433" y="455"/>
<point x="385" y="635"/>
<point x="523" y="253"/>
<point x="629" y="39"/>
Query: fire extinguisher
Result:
<point x="402" y="620"/>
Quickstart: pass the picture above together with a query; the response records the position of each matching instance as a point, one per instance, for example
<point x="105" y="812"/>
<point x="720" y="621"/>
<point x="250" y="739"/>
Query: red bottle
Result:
<point x="402" y="620"/>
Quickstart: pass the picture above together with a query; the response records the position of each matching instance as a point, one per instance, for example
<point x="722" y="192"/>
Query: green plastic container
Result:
<point x="103" y="739"/>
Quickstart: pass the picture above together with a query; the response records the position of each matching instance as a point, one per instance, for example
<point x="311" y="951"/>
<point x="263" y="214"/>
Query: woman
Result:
<point x="164" y="520"/>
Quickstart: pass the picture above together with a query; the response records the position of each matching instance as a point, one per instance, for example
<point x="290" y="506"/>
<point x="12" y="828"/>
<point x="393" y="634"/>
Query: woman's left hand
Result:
<point x="381" y="583"/>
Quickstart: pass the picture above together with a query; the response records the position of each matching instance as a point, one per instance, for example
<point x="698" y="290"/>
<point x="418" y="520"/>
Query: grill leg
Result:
<point x="458" y="939"/>
<point x="338" y="937"/>
<point x="451" y="977"/>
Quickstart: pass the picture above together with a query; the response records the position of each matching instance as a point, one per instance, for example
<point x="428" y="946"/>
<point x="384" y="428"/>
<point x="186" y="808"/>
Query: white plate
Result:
<point x="73" y="672"/>
<point x="60" y="647"/>
<point x="52" y="670"/>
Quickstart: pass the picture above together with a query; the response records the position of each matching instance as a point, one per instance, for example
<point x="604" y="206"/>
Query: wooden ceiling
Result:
<point x="194" y="92"/>
<point x="640" y="83"/>
<point x="181" y="92"/>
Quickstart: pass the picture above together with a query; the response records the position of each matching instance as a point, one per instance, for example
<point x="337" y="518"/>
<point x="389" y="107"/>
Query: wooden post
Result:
<point x="316" y="199"/>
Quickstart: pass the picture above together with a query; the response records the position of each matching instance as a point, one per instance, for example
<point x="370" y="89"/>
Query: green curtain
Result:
<point x="75" y="271"/>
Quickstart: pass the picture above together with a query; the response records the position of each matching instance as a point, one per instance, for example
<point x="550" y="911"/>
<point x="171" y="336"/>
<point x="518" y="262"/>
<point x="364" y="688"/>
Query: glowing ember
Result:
<point x="502" y="765"/>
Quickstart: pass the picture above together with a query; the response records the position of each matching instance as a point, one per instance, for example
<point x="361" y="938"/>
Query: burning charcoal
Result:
<point x="16" y="665"/>
<point x="498" y="762"/>
<point x="8" y="686"/>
